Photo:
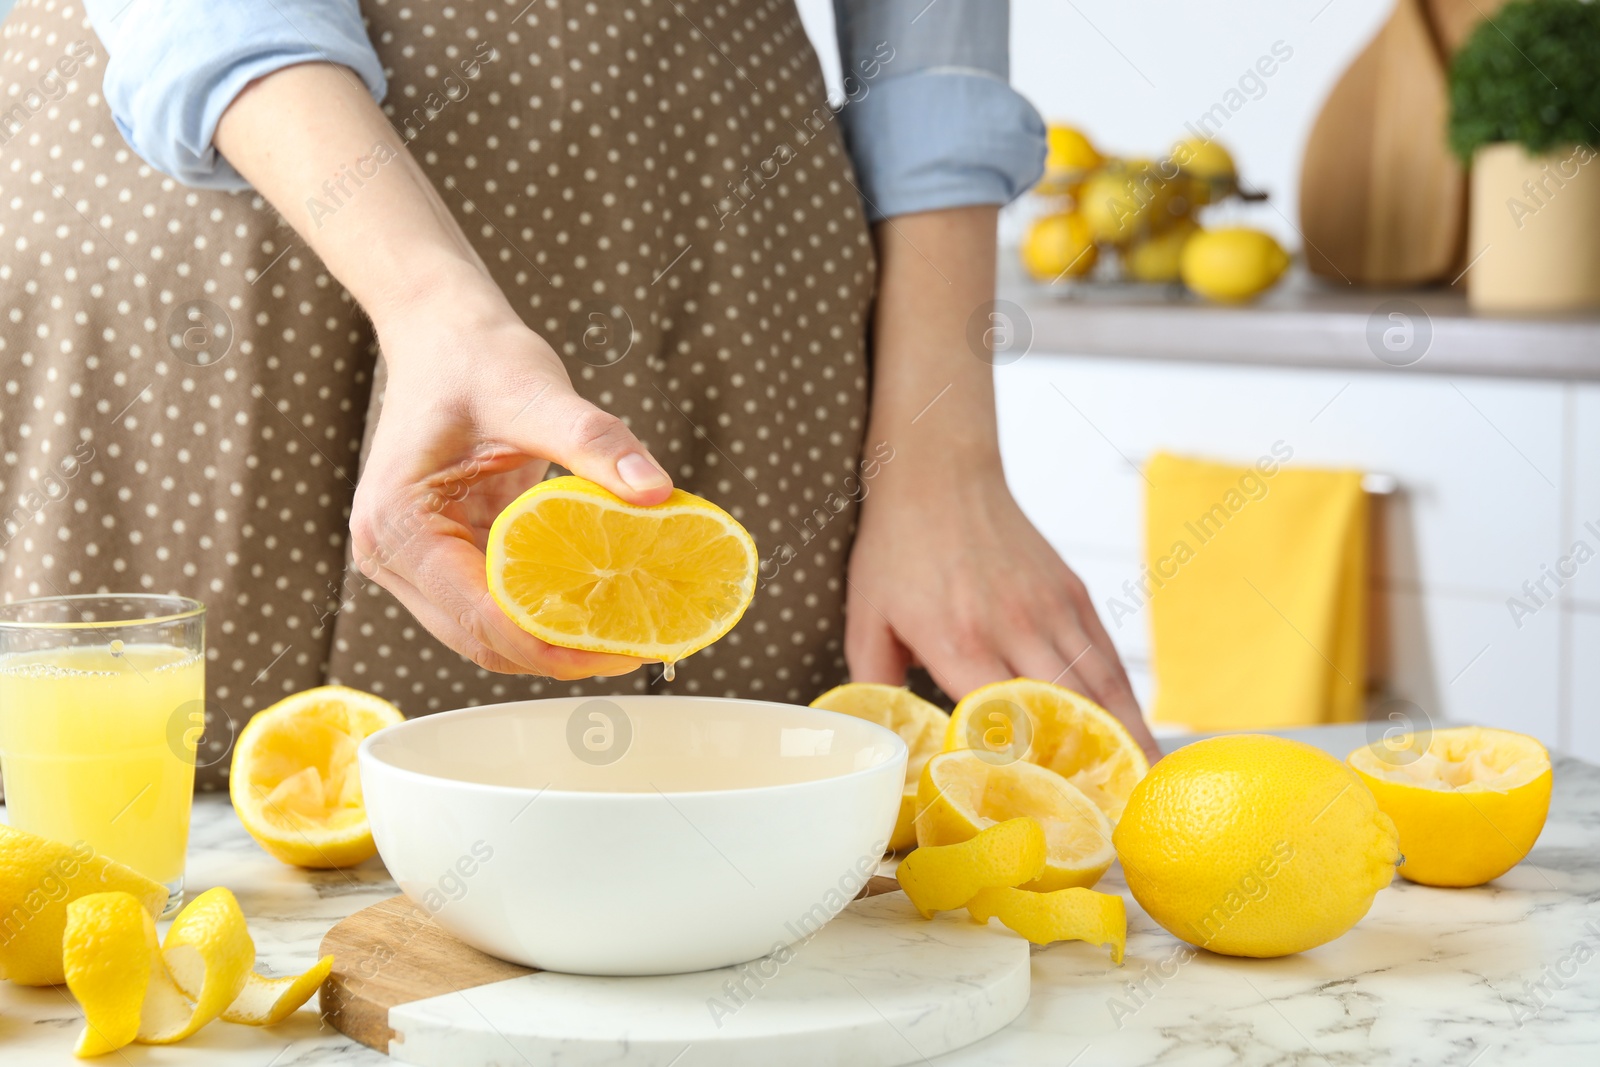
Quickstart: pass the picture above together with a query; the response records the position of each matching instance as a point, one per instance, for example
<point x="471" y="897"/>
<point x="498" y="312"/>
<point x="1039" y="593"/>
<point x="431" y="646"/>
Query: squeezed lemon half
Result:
<point x="920" y="725"/>
<point x="962" y="794"/>
<point x="579" y="567"/>
<point x="294" y="781"/>
<point x="1055" y="728"/>
<point x="1469" y="802"/>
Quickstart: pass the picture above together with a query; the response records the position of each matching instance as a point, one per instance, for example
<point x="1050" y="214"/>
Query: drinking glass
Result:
<point x="102" y="702"/>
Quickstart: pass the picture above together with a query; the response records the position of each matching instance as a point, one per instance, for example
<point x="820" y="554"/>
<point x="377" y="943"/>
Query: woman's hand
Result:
<point x="477" y="405"/>
<point x="476" y="408"/>
<point x="947" y="573"/>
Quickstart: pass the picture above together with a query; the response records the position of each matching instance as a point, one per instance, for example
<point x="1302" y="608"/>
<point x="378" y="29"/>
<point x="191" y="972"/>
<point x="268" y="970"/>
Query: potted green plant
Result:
<point x="1525" y="114"/>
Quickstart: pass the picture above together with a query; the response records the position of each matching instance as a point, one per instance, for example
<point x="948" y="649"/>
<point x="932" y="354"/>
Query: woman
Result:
<point x="623" y="236"/>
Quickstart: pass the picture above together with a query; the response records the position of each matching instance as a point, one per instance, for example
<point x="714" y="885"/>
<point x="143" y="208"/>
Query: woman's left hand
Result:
<point x="947" y="573"/>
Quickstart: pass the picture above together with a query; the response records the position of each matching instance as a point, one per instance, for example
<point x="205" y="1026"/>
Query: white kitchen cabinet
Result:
<point x="1583" y="652"/>
<point x="1583" y="523"/>
<point x="1490" y="471"/>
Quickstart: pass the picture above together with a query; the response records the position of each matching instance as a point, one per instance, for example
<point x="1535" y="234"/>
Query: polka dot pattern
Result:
<point x="660" y="191"/>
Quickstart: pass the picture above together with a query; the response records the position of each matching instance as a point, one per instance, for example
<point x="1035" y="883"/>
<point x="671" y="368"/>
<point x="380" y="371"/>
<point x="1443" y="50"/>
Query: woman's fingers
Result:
<point x="440" y="578"/>
<point x="872" y="652"/>
<point x="559" y="425"/>
<point x="1103" y="670"/>
<point x="960" y="674"/>
<point x="1115" y="681"/>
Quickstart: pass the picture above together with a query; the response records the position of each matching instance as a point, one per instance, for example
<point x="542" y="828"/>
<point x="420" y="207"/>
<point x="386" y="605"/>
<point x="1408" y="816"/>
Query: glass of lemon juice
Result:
<point x="102" y="701"/>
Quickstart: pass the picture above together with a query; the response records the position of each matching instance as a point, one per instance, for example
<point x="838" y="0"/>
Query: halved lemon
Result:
<point x="961" y="793"/>
<point x="920" y="725"/>
<point x="294" y="782"/>
<point x="1055" y="728"/>
<point x="1469" y="801"/>
<point x="576" y="566"/>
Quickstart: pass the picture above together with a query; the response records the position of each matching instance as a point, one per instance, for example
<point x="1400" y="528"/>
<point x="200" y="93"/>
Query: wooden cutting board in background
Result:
<point x="1454" y="20"/>
<point x="1382" y="200"/>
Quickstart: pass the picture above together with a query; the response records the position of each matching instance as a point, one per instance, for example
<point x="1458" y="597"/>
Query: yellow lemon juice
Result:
<point x="97" y="745"/>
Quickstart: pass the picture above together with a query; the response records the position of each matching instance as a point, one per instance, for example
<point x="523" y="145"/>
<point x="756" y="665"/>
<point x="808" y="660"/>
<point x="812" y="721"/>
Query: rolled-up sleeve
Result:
<point x="176" y="65"/>
<point x="931" y="120"/>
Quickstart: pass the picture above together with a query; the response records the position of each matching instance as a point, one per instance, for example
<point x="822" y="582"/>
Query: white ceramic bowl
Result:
<point x="632" y="834"/>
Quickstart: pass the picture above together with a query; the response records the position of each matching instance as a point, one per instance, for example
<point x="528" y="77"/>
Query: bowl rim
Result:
<point x="365" y="753"/>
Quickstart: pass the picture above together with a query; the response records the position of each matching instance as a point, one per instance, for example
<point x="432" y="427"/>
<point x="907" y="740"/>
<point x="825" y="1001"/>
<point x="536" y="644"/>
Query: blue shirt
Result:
<point x="930" y="120"/>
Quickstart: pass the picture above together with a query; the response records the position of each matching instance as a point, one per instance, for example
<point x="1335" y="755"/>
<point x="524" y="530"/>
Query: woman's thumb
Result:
<point x="593" y="444"/>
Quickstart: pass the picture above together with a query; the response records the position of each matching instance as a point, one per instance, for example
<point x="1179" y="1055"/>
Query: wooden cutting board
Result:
<point x="1454" y="20"/>
<point x="877" y="985"/>
<point x="1382" y="200"/>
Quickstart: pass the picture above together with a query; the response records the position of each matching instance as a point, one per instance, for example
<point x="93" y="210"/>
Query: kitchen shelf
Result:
<point x="1302" y="322"/>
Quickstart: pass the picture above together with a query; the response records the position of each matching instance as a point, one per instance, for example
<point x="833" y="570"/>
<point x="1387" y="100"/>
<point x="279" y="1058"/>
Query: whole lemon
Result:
<point x="1232" y="265"/>
<point x="1156" y="259"/>
<point x="1209" y="168"/>
<point x="1124" y="201"/>
<point x="1069" y="149"/>
<point x="1250" y="845"/>
<point x="1204" y="158"/>
<point x="1469" y="802"/>
<point x="1058" y="246"/>
<point x="1069" y="156"/>
<point x="38" y="879"/>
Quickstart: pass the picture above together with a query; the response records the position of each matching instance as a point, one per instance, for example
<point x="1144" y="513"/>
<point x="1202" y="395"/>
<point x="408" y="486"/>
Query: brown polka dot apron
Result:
<point x="659" y="190"/>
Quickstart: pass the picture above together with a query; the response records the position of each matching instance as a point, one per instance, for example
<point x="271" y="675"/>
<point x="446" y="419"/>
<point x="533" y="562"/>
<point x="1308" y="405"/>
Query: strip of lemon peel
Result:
<point x="1063" y="915"/>
<point x="943" y="877"/>
<point x="134" y="988"/>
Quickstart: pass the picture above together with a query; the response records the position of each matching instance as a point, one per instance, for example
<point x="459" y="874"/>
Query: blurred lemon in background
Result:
<point x="1125" y="201"/>
<point x="1210" y="167"/>
<point x="1069" y="158"/>
<point x="1157" y="258"/>
<point x="1469" y="802"/>
<point x="1059" y="246"/>
<point x="1233" y="264"/>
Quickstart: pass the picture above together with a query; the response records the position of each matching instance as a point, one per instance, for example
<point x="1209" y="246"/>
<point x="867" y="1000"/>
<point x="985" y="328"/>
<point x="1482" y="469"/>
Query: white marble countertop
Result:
<point x="1507" y="973"/>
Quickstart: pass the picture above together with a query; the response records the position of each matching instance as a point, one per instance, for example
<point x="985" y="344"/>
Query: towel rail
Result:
<point x="1375" y="483"/>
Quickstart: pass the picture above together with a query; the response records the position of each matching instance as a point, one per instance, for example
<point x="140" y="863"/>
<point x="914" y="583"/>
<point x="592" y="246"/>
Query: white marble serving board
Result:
<point x="876" y="986"/>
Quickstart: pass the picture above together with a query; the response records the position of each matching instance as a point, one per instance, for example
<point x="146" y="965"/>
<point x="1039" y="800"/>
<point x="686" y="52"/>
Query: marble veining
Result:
<point x="1504" y="974"/>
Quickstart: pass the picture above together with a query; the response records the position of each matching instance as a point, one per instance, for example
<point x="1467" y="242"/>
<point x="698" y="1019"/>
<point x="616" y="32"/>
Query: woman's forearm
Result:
<point x="932" y="394"/>
<point x="947" y="571"/>
<point x="474" y="398"/>
<point x="311" y="140"/>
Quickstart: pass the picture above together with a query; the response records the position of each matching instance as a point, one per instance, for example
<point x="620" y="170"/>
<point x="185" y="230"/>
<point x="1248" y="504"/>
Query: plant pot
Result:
<point x="1535" y="229"/>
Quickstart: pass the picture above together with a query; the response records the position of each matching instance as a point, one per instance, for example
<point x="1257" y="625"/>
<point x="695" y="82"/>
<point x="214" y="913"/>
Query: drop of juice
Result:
<point x="116" y="647"/>
<point x="669" y="669"/>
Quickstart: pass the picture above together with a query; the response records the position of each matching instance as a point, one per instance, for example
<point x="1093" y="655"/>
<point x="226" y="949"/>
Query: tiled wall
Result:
<point x="1496" y="480"/>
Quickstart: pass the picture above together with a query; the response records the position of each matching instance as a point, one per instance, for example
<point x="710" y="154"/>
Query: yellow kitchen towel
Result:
<point x="1256" y="585"/>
